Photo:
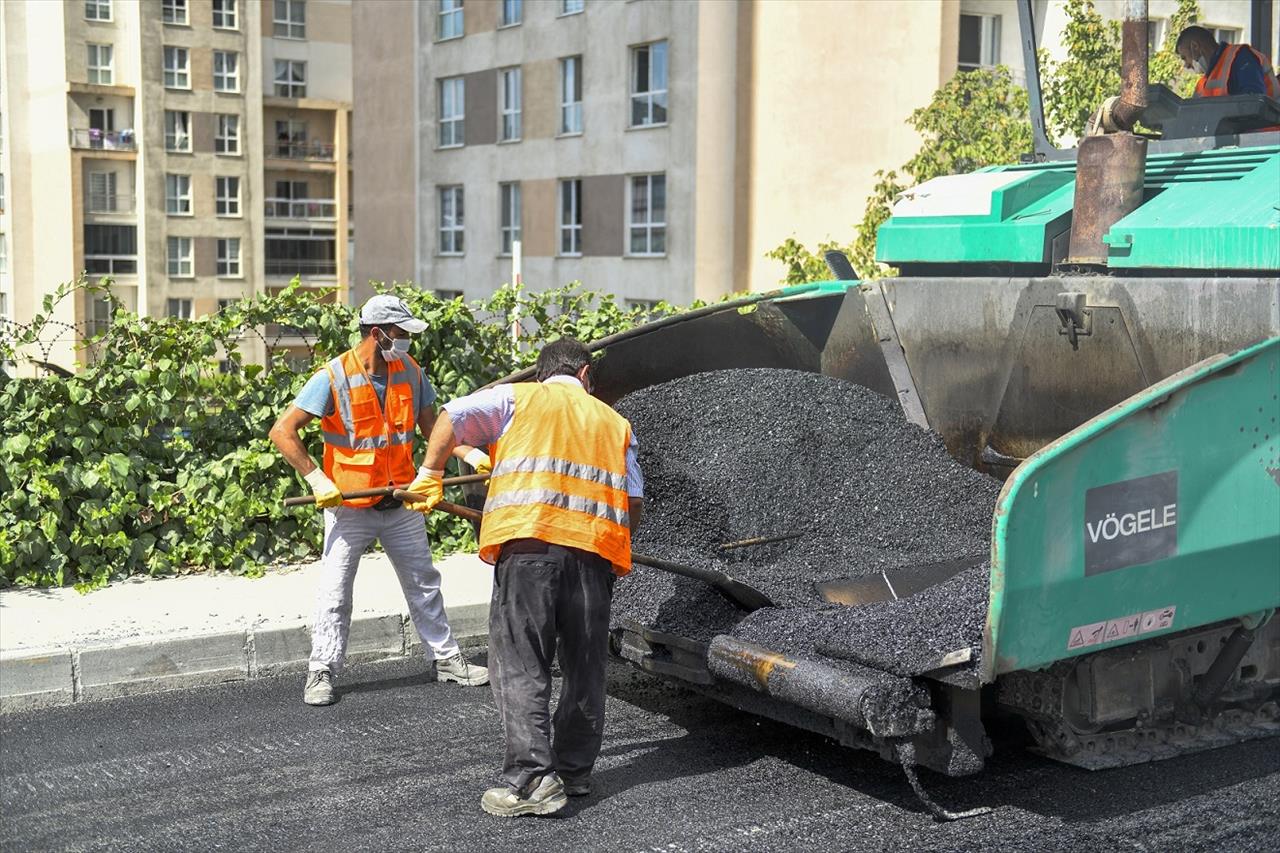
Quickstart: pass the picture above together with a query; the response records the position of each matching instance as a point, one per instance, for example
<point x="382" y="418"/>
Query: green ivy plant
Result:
<point x="150" y="460"/>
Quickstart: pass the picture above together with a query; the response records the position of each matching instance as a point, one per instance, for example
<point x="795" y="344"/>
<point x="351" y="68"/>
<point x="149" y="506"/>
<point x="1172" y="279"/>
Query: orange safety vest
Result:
<point x="1214" y="84"/>
<point x="560" y="475"/>
<point x="367" y="444"/>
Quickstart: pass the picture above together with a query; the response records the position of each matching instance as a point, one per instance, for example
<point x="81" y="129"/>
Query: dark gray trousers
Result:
<point x="545" y="597"/>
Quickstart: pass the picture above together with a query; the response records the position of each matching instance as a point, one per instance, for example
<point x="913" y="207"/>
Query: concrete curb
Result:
<point x="43" y="678"/>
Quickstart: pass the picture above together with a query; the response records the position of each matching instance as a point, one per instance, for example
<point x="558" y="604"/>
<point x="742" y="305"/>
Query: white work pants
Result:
<point x="348" y="533"/>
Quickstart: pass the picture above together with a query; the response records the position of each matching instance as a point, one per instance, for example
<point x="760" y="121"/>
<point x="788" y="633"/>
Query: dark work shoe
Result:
<point x="577" y="787"/>
<point x="547" y="797"/>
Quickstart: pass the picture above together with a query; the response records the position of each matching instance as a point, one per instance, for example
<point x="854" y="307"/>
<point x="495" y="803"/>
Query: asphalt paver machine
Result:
<point x="1100" y="328"/>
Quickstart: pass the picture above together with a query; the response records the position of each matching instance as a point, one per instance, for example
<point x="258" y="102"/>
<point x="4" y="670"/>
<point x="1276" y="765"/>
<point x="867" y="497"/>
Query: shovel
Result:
<point x="893" y="584"/>
<point x="738" y="593"/>
<point x="383" y="491"/>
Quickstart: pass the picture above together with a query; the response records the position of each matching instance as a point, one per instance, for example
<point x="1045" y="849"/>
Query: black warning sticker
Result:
<point x="1130" y="523"/>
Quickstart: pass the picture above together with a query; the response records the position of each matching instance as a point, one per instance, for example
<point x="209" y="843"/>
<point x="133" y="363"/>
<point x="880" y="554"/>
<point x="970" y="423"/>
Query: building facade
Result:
<point x="194" y="152"/>
<point x="650" y="148"/>
<point x="655" y="149"/>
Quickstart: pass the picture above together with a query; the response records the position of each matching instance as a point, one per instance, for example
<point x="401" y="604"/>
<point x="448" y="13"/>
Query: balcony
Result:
<point x="302" y="267"/>
<point x="301" y="208"/>
<point x="100" y="203"/>
<point x="314" y="151"/>
<point x="103" y="140"/>
<point x="111" y="264"/>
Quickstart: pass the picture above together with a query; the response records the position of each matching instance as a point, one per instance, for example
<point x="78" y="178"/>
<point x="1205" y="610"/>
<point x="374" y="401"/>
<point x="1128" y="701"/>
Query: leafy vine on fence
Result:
<point x="153" y="459"/>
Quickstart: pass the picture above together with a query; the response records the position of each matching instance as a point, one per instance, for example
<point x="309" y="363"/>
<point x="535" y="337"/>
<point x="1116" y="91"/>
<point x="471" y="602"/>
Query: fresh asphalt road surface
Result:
<point x="399" y="764"/>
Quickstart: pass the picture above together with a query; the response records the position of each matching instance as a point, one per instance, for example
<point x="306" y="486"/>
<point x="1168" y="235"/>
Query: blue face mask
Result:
<point x="399" y="346"/>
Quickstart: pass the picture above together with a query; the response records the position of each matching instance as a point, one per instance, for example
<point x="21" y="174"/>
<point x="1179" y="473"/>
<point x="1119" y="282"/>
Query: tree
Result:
<point x="1166" y="66"/>
<point x="1075" y="87"/>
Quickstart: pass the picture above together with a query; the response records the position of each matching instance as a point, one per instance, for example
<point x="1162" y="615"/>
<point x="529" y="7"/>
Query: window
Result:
<point x="571" y="95"/>
<point x="291" y="138"/>
<point x="102" y="192"/>
<point x="100" y="317"/>
<point x="449" y="20"/>
<point x="100" y="62"/>
<point x="226" y="71"/>
<point x="180" y="265"/>
<point x="648" y="220"/>
<point x="177" y="69"/>
<point x="512" y="13"/>
<point x="980" y="41"/>
<point x="4" y="257"/>
<point x="289" y="19"/>
<point x="173" y="11"/>
<point x="509" y="196"/>
<point x="224" y="15"/>
<point x="177" y="195"/>
<point x="1230" y="35"/>
<point x="291" y="78"/>
<point x="97" y="10"/>
<point x="572" y="7"/>
<point x="111" y="249"/>
<point x="448" y="295"/>
<point x="571" y="217"/>
<point x="179" y="309"/>
<point x="1155" y="34"/>
<point x="452" y="111"/>
<point x="228" y="261"/>
<point x="227" y="196"/>
<point x="226" y="138"/>
<point x="511" y="81"/>
<point x="177" y="130"/>
<point x="300" y="251"/>
<point x="649" y="84"/>
<point x="451" y="221"/>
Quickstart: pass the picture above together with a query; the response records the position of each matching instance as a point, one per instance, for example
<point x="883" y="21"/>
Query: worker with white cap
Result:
<point x="371" y="400"/>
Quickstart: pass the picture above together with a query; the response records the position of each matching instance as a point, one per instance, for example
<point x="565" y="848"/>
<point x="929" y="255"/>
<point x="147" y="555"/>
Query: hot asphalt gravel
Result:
<point x="399" y="764"/>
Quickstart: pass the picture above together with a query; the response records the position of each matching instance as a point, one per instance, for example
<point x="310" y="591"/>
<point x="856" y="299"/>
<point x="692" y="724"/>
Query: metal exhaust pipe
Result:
<point x="1133" y="65"/>
<point x="1111" y="169"/>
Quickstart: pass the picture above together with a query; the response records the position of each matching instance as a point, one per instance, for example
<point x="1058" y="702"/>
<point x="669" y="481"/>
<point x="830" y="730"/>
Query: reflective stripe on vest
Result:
<point x="1217" y="82"/>
<point x="559" y="475"/>
<point x="368" y="443"/>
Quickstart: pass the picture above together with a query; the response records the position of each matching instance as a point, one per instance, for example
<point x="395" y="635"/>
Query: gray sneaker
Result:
<point x="319" y="689"/>
<point x="459" y="669"/>
<point x="548" y="797"/>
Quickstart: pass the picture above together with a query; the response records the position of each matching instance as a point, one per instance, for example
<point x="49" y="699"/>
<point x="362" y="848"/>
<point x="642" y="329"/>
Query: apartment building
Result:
<point x="194" y="152"/>
<point x="652" y="148"/>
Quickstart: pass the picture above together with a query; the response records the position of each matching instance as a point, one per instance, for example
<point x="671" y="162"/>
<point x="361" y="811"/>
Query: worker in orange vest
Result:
<point x="371" y="400"/>
<point x="565" y="495"/>
<point x="1226" y="69"/>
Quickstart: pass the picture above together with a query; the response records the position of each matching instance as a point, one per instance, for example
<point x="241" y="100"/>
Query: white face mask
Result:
<point x="399" y="346"/>
<point x="1201" y="65"/>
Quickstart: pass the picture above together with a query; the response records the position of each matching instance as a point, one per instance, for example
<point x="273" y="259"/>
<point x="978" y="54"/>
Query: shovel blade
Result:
<point x="893" y="584"/>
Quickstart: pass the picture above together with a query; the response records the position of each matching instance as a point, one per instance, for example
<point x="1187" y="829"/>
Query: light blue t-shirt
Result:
<point x="316" y="397"/>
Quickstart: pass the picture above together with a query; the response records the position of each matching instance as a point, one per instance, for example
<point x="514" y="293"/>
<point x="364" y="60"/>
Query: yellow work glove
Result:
<point x="430" y="485"/>
<point x="327" y="494"/>
<point x="479" y="460"/>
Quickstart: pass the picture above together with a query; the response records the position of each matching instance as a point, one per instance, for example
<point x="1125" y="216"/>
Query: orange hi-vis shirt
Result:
<point x="368" y="444"/>
<point x="559" y="475"/>
<point x="1216" y="82"/>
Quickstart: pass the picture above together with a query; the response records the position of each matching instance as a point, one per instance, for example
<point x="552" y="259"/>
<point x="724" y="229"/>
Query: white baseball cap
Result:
<point x="388" y="310"/>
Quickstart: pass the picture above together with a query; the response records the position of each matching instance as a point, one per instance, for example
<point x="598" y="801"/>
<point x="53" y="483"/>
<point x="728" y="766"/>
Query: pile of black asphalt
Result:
<point x="740" y="454"/>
